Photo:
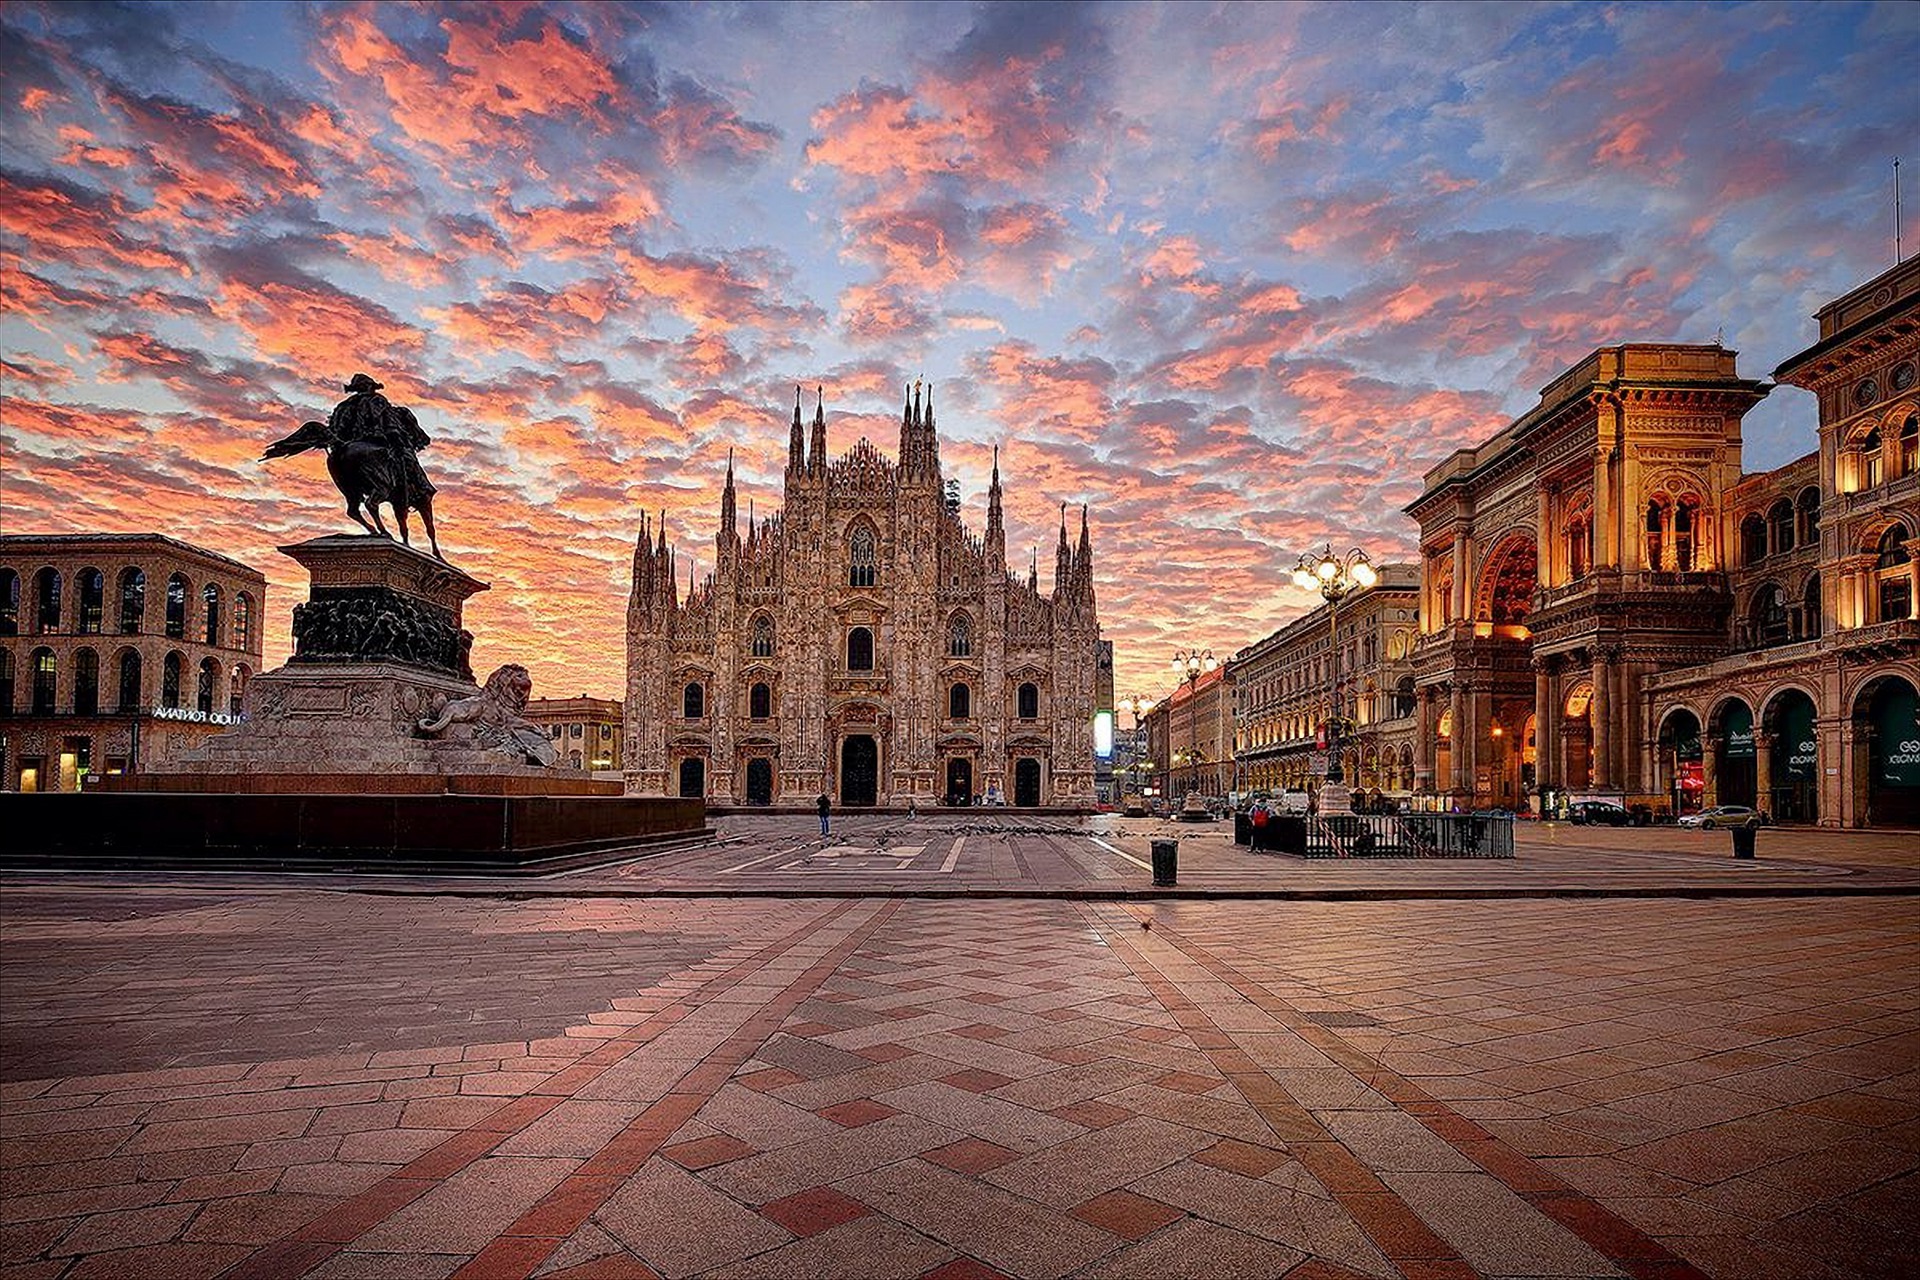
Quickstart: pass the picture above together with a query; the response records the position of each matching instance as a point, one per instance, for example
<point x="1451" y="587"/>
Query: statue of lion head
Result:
<point x="510" y="685"/>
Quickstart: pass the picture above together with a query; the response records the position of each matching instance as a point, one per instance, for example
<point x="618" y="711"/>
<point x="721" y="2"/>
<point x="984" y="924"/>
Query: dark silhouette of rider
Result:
<point x="367" y="415"/>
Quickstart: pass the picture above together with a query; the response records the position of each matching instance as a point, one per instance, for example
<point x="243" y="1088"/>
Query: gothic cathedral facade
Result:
<point x="864" y="645"/>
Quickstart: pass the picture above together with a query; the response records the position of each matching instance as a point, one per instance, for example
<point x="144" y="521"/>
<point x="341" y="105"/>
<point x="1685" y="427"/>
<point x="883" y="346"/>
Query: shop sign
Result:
<point x="1896" y="734"/>
<point x="1797" y="732"/>
<point x="193" y="715"/>
<point x="1739" y="740"/>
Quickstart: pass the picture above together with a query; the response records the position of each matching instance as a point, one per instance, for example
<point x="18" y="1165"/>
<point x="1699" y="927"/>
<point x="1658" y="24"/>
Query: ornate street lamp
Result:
<point x="1139" y="706"/>
<point x="1190" y="665"/>
<point x="1334" y="577"/>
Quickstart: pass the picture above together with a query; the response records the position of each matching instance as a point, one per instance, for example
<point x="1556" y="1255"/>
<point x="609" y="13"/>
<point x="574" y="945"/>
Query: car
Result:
<point x="1723" y="815"/>
<point x="1598" y="813"/>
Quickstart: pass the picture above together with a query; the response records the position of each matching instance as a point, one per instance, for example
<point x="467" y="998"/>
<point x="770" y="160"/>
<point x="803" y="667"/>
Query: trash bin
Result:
<point x="1166" y="861"/>
<point x="1742" y="841"/>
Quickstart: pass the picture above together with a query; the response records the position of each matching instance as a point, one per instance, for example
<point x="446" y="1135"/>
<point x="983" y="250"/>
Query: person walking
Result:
<point x="825" y="807"/>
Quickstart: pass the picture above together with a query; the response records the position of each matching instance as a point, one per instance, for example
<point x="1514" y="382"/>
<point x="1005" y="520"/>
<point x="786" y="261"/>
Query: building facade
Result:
<point x="587" y="732"/>
<point x="117" y="650"/>
<point x="862" y="643"/>
<point x="1811" y="714"/>
<point x="1601" y="584"/>
<point x="1190" y="737"/>
<point x="1283" y="692"/>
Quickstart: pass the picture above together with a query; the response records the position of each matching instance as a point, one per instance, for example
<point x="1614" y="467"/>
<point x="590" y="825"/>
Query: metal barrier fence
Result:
<point x="1374" y="835"/>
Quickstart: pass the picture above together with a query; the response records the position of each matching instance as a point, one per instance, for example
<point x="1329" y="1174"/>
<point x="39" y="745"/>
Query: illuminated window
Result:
<point x="176" y="607"/>
<point x="93" y="602"/>
<point x="1870" y="460"/>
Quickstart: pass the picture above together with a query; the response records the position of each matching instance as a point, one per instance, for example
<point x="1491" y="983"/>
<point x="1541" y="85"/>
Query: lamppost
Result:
<point x="1190" y="665"/>
<point x="1139" y="706"/>
<point x="1334" y="576"/>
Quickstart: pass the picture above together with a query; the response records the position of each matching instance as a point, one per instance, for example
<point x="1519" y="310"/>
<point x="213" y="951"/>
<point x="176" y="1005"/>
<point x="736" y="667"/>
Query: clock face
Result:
<point x="1866" y="393"/>
<point x="1903" y="377"/>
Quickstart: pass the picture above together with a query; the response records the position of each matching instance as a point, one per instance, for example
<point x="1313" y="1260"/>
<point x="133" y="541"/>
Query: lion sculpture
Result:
<point x="496" y="717"/>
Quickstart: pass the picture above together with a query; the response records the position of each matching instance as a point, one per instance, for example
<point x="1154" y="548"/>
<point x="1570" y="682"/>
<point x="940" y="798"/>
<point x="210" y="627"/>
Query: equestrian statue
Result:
<point x="373" y="451"/>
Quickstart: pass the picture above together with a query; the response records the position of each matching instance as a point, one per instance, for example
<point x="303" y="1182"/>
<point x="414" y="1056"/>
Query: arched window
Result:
<point x="959" y="702"/>
<point x="1683" y="522"/>
<point x="759" y="702"/>
<point x="243" y="621"/>
<point x="960" y="636"/>
<point x="176" y="607"/>
<point x="93" y="602"/>
<point x="1780" y="526"/>
<point x="6" y="681"/>
<point x="859" y="649"/>
<point x="9" y="603"/>
<point x="1656" y="520"/>
<point x="86" y="683"/>
<point x="1753" y="539"/>
<point x="237" y="689"/>
<point x="172" y="672"/>
<point x="129" y="680"/>
<point x="1029" y="701"/>
<point x="1768" y="617"/>
<point x="1910" y="445"/>
<point x="210" y="596"/>
<point x="1870" y="460"/>
<point x="209" y="681"/>
<point x="762" y="636"/>
<point x="1896" y="580"/>
<point x="862" y="557"/>
<point x="46" y="601"/>
<point x="1404" y="700"/>
<point x="573" y="759"/>
<point x="693" y="701"/>
<point x="1808" y="515"/>
<point x="1811" y="609"/>
<point x="133" y="601"/>
<point x="1579" y="556"/>
<point x="45" y="674"/>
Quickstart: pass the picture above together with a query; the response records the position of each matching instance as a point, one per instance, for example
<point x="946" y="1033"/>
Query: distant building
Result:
<point x="863" y="643"/>
<point x="587" y="732"/>
<point x="1283" y="686"/>
<point x="1189" y="738"/>
<point x="116" y="650"/>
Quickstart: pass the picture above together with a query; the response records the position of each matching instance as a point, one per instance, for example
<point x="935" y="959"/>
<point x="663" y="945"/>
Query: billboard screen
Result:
<point x="1103" y="735"/>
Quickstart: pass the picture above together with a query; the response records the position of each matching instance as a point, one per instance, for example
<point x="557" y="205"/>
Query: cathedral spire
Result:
<point x="817" y="462"/>
<point x="728" y="507"/>
<point x="996" y="526"/>
<point x="796" y="442"/>
<point x="908" y="430"/>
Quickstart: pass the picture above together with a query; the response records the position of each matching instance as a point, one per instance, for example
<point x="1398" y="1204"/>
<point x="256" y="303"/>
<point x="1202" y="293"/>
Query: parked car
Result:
<point x="1723" y="815"/>
<point x="1598" y="813"/>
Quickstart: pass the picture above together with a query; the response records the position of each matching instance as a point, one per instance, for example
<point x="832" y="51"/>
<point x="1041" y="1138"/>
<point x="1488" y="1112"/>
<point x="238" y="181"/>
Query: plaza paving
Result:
<point x="572" y="1077"/>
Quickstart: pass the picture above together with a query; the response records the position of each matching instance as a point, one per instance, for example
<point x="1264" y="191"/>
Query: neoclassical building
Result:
<point x="864" y="644"/>
<point x="117" y="650"/>
<point x="1601" y="584"/>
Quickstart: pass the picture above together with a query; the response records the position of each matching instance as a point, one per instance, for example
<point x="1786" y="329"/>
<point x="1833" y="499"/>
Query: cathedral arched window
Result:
<point x="860" y="649"/>
<point x="959" y="702"/>
<point x="693" y="701"/>
<point x="960" y="636"/>
<point x="1029" y="701"/>
<point x="762" y="636"/>
<point x="759" y="702"/>
<point x="863" y="558"/>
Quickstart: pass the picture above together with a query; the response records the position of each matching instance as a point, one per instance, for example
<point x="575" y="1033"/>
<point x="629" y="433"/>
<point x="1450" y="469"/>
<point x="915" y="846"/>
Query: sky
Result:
<point x="1233" y="276"/>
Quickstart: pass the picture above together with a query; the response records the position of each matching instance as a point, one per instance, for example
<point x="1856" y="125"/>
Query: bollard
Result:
<point x="1166" y="861"/>
<point x="1743" y="841"/>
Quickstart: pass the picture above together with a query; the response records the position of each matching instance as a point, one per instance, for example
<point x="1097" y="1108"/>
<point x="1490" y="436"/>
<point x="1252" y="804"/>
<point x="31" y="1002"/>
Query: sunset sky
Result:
<point x="1233" y="275"/>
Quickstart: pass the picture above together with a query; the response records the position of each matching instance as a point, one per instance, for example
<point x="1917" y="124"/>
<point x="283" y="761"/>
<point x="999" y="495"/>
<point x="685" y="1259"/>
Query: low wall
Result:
<point x="527" y="782"/>
<point x="410" y="833"/>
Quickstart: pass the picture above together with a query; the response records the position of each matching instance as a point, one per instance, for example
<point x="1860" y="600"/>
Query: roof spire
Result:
<point x="796" y="442"/>
<point x="817" y="461"/>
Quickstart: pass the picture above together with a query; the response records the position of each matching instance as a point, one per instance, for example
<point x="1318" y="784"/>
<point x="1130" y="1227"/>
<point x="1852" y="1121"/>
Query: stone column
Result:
<point x="1543" y="539"/>
<point x="1542" y="723"/>
<point x="1709" y="771"/>
<point x="1423" y="741"/>
<point x="1626" y="714"/>
<point x="1462" y="576"/>
<point x="1762" y="771"/>
<point x="1456" y="746"/>
<point x="1600" y="717"/>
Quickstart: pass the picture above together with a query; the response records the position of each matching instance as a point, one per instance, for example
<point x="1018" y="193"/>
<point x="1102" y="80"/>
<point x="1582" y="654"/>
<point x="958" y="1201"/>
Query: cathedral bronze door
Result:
<point x="759" y="780"/>
<point x="1026" y="782"/>
<point x="859" y="770"/>
<point x="959" y="781"/>
<point x="693" y="777"/>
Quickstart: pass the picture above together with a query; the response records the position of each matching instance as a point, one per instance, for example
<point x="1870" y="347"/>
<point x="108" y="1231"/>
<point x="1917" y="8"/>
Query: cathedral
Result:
<point x="863" y="644"/>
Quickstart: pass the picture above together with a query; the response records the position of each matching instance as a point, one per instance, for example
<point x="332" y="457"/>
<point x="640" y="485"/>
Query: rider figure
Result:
<point x="367" y="415"/>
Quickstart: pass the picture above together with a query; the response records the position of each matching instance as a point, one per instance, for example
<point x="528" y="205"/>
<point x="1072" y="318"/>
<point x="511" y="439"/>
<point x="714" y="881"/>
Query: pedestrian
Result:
<point x="824" y="806"/>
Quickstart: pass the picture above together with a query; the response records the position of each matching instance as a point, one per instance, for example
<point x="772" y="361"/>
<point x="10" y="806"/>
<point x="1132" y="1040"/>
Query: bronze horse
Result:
<point x="367" y="474"/>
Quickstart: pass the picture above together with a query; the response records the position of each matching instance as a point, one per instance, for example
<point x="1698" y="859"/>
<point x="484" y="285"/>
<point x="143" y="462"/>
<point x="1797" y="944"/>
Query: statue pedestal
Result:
<point x="378" y="648"/>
